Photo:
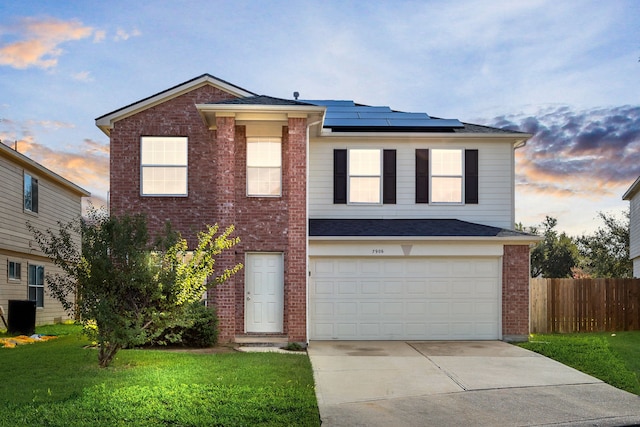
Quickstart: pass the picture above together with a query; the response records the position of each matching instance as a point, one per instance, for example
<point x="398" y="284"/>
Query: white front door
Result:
<point x="264" y="292"/>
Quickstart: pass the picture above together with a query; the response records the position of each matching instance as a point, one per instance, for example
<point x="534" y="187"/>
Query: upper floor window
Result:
<point x="14" y="270"/>
<point x="264" y="167"/>
<point x="36" y="284"/>
<point x="30" y="193"/>
<point x="446" y="176"/>
<point x="364" y="176"/>
<point x="163" y="164"/>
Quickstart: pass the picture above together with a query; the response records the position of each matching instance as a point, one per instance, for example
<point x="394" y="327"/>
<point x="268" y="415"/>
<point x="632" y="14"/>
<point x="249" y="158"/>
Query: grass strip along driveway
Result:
<point x="59" y="383"/>
<point x="611" y="357"/>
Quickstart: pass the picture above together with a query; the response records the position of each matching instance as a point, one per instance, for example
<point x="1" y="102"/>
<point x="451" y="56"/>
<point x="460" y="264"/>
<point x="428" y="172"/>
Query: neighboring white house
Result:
<point x="31" y="193"/>
<point x="633" y="195"/>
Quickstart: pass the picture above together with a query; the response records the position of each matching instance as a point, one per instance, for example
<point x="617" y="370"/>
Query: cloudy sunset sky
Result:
<point x="566" y="71"/>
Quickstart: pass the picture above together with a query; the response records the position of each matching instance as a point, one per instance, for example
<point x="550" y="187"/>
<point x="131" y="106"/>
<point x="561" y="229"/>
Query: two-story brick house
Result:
<point x="356" y="222"/>
<point x="31" y="193"/>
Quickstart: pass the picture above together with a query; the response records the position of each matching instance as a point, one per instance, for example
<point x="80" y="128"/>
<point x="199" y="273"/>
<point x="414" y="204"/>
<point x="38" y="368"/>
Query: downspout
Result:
<point x="306" y="196"/>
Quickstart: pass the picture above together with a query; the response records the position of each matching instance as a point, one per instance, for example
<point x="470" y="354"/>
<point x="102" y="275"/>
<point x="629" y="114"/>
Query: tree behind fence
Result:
<point x="584" y="305"/>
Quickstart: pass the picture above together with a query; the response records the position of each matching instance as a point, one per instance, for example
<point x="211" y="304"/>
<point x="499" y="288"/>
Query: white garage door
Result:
<point x="404" y="298"/>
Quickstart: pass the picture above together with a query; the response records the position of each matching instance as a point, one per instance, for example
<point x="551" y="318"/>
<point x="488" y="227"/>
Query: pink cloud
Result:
<point x="88" y="167"/>
<point x="587" y="153"/>
<point x="38" y="42"/>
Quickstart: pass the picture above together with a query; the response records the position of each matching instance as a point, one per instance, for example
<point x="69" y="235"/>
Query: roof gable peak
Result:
<point x="105" y="122"/>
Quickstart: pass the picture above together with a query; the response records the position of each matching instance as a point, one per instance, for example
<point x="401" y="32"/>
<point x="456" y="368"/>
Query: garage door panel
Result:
<point x="402" y="298"/>
<point x="439" y="288"/>
<point x="391" y="269"/>
<point x="370" y="308"/>
<point x="392" y="329"/>
<point x="346" y="308"/>
<point x="370" y="287"/>
<point x="460" y="288"/>
<point x="414" y="268"/>
<point x="416" y="308"/>
<point x="485" y="307"/>
<point x="323" y="287"/>
<point x="393" y="308"/>
<point x="346" y="329"/>
<point x="416" y="287"/>
<point x="347" y="288"/>
<point x="393" y="287"/>
<point x="370" y="268"/>
<point x="485" y="288"/>
<point x="346" y="268"/>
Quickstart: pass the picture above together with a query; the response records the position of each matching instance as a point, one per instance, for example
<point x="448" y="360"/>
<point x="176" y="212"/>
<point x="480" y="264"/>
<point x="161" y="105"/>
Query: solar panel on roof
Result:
<point x="356" y="122"/>
<point x="359" y="109"/>
<point x="334" y="115"/>
<point x="346" y="114"/>
<point x="394" y="115"/>
<point x="330" y="102"/>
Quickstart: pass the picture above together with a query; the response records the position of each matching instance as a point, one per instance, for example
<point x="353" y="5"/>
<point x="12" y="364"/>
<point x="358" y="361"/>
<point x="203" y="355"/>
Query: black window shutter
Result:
<point x="422" y="175"/>
<point x="389" y="177"/>
<point x="34" y="195"/>
<point x="471" y="177"/>
<point x="339" y="176"/>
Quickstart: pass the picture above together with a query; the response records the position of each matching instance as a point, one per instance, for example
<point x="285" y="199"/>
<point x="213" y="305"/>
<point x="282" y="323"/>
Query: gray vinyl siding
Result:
<point x="496" y="182"/>
<point x="634" y="226"/>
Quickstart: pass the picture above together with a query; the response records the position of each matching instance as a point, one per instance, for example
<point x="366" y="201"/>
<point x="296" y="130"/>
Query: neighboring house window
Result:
<point x="364" y="176"/>
<point x="163" y="163"/>
<point x="14" y="270"/>
<point x="264" y="167"/>
<point x="36" y="284"/>
<point x="443" y="174"/>
<point x="30" y="193"/>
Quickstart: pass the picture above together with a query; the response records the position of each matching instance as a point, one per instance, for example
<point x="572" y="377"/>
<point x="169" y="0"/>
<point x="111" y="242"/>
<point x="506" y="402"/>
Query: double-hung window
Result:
<point x="36" y="284"/>
<point x="264" y="167"/>
<point x="446" y="176"/>
<point x="14" y="270"/>
<point x="163" y="164"/>
<point x="30" y="193"/>
<point x="365" y="176"/>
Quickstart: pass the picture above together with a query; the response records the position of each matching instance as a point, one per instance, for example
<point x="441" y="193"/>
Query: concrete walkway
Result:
<point x="476" y="383"/>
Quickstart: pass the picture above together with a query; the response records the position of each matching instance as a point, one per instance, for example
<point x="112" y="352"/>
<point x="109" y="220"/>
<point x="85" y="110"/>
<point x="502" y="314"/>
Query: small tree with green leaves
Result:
<point x="125" y="290"/>
<point x="605" y="253"/>
<point x="555" y="255"/>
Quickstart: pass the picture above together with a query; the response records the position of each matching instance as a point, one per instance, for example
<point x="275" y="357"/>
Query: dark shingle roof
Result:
<point x="405" y="228"/>
<point x="471" y="128"/>
<point x="261" y="100"/>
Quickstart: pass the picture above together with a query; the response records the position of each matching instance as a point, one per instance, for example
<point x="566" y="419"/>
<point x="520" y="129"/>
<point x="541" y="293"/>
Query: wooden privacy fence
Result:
<point x="584" y="305"/>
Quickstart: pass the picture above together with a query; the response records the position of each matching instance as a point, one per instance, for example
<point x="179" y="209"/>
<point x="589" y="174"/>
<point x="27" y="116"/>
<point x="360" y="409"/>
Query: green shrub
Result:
<point x="197" y="328"/>
<point x="204" y="330"/>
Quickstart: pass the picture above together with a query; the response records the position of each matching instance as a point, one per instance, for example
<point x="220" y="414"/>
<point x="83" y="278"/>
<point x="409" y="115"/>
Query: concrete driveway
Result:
<point x="438" y="383"/>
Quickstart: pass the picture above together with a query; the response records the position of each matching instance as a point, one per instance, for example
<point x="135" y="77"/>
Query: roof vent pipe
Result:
<point x="296" y="95"/>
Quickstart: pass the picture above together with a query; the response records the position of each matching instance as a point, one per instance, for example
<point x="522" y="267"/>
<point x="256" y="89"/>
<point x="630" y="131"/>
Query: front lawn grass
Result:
<point x="59" y="383"/>
<point x="611" y="357"/>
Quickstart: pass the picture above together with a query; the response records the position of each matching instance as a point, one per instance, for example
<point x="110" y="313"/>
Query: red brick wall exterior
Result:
<point x="515" y="292"/>
<point x="296" y="263"/>
<point x="217" y="194"/>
